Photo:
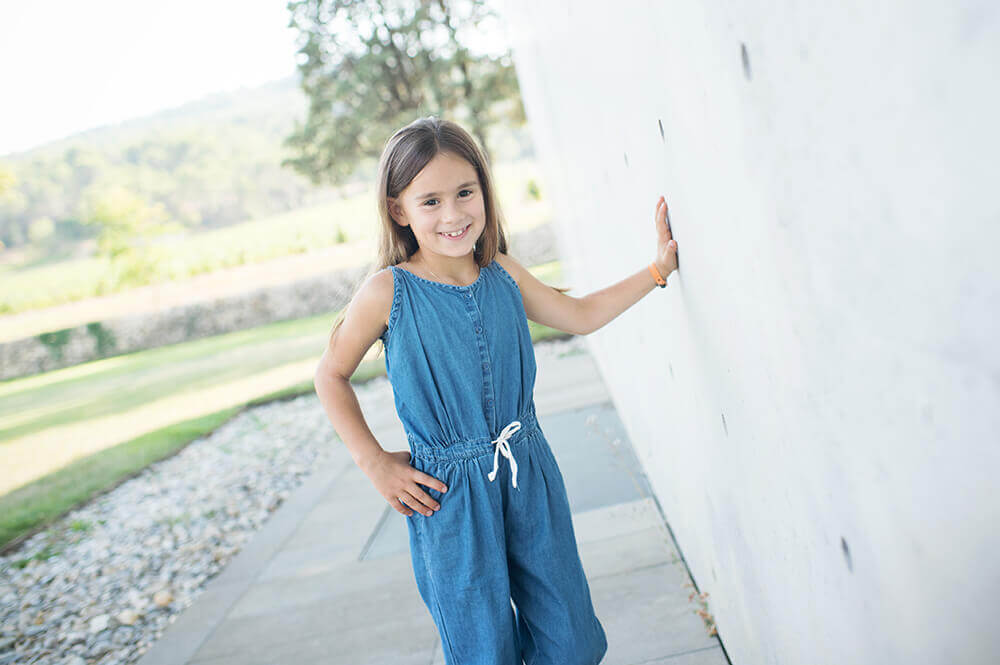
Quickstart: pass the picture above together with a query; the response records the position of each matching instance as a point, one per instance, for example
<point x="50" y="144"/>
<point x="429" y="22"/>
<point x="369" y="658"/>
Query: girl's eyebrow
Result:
<point x="464" y="184"/>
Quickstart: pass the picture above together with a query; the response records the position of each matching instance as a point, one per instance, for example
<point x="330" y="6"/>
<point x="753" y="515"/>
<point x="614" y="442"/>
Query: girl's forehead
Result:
<point x="443" y="173"/>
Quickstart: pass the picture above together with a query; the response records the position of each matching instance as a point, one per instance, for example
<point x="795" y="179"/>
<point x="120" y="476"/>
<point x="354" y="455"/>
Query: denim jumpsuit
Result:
<point x="497" y="565"/>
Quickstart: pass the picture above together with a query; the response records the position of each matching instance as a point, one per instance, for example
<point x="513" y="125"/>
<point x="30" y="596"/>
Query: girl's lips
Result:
<point x="458" y="237"/>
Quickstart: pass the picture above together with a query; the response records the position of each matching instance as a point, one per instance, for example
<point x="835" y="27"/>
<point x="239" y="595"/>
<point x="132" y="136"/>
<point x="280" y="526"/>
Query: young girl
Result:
<point x="493" y="548"/>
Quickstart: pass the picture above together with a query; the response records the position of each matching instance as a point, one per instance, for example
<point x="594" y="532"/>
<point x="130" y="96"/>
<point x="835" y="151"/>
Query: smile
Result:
<point x="455" y="237"/>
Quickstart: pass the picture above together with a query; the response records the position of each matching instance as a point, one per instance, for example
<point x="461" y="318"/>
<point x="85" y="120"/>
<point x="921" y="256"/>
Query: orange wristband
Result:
<point x="662" y="283"/>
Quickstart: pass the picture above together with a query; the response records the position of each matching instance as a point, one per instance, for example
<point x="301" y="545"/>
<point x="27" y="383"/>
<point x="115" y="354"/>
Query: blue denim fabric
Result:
<point x="497" y="565"/>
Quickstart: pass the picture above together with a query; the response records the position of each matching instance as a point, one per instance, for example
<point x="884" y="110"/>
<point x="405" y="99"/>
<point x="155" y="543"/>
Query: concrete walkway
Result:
<point x="328" y="579"/>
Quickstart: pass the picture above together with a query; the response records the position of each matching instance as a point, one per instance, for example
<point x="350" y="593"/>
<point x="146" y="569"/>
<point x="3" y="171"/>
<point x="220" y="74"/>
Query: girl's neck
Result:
<point x="459" y="270"/>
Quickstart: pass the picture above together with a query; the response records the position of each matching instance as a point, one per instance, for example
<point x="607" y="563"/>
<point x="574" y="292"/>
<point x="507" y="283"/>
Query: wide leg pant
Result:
<point x="498" y="565"/>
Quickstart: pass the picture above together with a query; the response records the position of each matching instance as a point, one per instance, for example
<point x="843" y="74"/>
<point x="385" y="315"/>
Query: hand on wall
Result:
<point x="666" y="246"/>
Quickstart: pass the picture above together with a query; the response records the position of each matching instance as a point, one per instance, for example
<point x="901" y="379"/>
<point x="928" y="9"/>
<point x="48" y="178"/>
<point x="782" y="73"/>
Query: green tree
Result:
<point x="369" y="67"/>
<point x="125" y="222"/>
<point x="40" y="230"/>
<point x="13" y="230"/>
<point x="7" y="180"/>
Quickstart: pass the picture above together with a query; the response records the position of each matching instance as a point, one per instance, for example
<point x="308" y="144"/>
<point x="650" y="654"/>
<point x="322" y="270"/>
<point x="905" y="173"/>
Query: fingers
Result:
<point x="410" y="504"/>
<point x="401" y="489"/>
<point x="430" y="481"/>
<point x="662" y="228"/>
<point x="663" y="217"/>
<point x="416" y="498"/>
<point x="419" y="501"/>
<point x="400" y="507"/>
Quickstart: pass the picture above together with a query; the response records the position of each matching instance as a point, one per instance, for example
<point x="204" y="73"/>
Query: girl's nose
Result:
<point x="450" y="213"/>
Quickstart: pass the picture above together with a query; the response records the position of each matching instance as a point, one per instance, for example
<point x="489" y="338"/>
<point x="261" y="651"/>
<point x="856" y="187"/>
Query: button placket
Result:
<point x="480" y="332"/>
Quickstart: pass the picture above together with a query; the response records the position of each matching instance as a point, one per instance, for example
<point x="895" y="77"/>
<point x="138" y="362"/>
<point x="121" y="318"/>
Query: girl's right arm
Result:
<point x="391" y="473"/>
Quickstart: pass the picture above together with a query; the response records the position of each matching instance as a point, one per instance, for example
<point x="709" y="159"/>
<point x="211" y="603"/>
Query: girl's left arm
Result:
<point x="582" y="316"/>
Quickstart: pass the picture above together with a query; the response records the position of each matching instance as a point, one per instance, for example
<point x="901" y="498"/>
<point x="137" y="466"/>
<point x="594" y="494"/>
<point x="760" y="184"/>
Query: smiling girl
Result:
<point x="492" y="545"/>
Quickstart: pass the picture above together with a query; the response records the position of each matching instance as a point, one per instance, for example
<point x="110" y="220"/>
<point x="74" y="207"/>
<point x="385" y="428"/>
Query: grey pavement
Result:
<point x="328" y="578"/>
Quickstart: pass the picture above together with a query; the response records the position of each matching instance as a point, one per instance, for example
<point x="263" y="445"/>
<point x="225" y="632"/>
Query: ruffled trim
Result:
<point x="507" y="275"/>
<point x="397" y="296"/>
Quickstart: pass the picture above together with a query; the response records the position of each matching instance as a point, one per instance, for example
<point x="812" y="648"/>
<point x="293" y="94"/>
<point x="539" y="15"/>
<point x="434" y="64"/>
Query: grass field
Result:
<point x="72" y="433"/>
<point x="113" y="385"/>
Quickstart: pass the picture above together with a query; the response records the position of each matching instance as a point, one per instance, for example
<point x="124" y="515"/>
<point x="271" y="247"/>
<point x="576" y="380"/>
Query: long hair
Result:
<point x="405" y="155"/>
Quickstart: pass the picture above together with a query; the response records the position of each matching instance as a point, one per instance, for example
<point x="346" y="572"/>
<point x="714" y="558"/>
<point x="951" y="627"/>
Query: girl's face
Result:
<point x="445" y="196"/>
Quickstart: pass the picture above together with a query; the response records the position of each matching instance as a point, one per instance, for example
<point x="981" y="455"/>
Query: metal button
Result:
<point x="486" y="365"/>
<point x="478" y="329"/>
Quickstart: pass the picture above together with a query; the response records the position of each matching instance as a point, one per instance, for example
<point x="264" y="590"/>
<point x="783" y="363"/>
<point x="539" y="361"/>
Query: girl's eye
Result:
<point x="428" y="201"/>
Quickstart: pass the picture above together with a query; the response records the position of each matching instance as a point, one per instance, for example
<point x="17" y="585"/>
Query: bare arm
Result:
<point x="582" y="316"/>
<point x="579" y="316"/>
<point x="363" y="323"/>
<point x="601" y="307"/>
<point x="390" y="472"/>
<point x="340" y="403"/>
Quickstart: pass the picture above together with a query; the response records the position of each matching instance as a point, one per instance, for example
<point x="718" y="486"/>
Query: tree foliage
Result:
<point x="369" y="67"/>
<point x="125" y="224"/>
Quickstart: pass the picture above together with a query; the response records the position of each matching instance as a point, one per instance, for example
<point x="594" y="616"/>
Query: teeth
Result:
<point x="454" y="234"/>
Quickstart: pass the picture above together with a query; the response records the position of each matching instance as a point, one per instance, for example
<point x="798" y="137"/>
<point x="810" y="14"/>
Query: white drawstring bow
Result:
<point x="502" y="446"/>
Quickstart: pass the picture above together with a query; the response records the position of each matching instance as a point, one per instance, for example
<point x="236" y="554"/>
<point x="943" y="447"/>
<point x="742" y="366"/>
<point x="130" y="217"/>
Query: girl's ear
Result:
<point x="397" y="212"/>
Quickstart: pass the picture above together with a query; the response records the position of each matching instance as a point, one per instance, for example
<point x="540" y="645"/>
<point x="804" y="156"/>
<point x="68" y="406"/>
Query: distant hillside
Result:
<point x="279" y="100"/>
<point x="211" y="163"/>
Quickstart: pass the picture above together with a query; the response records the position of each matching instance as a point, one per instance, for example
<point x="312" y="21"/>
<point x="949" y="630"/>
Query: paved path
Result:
<point x="328" y="579"/>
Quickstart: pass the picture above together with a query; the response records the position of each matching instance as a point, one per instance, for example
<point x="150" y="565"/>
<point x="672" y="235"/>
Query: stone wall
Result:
<point x="294" y="300"/>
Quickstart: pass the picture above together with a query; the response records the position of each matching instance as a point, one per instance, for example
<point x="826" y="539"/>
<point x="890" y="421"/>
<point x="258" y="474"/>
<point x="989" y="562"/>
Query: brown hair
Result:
<point x="405" y="154"/>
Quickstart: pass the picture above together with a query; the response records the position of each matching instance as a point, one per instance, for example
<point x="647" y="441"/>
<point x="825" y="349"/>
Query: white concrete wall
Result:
<point x="816" y="394"/>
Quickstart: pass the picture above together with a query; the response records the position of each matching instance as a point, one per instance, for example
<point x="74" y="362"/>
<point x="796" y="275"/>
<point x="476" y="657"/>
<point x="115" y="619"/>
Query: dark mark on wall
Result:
<point x="746" y="60"/>
<point x="847" y="554"/>
<point x="724" y="426"/>
<point x="660" y="123"/>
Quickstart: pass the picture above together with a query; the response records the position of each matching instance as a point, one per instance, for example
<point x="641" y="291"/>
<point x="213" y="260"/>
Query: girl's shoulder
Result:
<point x="374" y="298"/>
<point x="511" y="266"/>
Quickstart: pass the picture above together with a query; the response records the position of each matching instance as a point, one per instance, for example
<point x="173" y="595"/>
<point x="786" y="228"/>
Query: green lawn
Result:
<point x="78" y="394"/>
<point x="111" y="385"/>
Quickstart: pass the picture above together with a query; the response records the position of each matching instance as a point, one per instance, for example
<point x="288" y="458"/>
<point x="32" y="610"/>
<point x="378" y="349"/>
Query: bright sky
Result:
<point x="68" y="65"/>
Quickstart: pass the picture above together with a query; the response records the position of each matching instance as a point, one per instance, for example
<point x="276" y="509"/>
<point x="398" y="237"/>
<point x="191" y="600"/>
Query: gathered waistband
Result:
<point x="477" y="447"/>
